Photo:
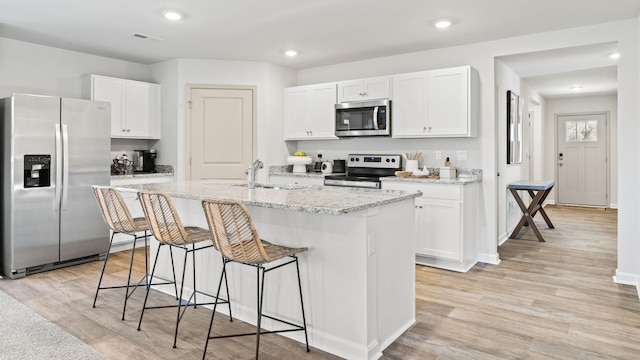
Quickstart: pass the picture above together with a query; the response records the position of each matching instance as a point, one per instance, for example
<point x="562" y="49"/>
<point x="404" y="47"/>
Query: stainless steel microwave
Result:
<point x="363" y="118"/>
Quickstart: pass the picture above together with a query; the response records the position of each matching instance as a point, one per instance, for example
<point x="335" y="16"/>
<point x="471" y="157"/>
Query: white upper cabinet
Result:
<point x="135" y="105"/>
<point x="409" y="105"/>
<point x="364" y="89"/>
<point x="309" y="112"/>
<point x="436" y="103"/>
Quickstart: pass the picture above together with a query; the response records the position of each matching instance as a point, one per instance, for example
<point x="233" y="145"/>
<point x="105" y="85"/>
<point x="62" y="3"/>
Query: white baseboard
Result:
<point x="628" y="279"/>
<point x="489" y="258"/>
<point x="613" y="206"/>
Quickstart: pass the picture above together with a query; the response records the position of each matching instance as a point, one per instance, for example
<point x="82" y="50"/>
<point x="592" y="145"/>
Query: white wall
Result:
<point x="44" y="70"/>
<point x="487" y="149"/>
<point x="582" y="105"/>
<point x="508" y="211"/>
<point x="269" y="80"/>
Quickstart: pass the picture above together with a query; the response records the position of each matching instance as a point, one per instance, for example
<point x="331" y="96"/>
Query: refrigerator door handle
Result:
<point x="58" y="167"/>
<point x="65" y="166"/>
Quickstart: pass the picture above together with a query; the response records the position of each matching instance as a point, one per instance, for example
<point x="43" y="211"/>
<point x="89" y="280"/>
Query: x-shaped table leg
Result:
<point x="529" y="212"/>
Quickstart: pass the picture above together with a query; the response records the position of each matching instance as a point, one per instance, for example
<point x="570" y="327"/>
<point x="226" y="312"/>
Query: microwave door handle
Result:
<point x="375" y="118"/>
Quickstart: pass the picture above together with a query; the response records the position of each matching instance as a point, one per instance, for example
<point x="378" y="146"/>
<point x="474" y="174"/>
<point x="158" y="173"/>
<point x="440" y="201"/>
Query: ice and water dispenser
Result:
<point x="37" y="171"/>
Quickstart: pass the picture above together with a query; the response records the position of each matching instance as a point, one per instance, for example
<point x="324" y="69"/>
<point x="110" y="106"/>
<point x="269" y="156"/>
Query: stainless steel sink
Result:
<point x="280" y="186"/>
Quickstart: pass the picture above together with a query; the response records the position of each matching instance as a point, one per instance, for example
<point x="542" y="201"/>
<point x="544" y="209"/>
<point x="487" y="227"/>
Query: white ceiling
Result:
<point x="323" y="31"/>
<point x="554" y="72"/>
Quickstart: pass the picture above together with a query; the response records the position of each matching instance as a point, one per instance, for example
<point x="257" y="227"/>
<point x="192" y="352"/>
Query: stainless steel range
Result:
<point x="365" y="170"/>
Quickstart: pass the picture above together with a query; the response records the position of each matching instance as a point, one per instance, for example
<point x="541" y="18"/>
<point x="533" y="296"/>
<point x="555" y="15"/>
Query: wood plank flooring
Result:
<point x="553" y="300"/>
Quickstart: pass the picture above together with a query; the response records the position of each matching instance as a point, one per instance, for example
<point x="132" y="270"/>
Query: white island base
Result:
<point x="358" y="277"/>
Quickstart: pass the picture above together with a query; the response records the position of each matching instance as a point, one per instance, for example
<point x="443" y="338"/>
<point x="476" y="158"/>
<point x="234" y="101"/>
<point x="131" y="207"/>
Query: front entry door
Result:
<point x="222" y="132"/>
<point x="582" y="159"/>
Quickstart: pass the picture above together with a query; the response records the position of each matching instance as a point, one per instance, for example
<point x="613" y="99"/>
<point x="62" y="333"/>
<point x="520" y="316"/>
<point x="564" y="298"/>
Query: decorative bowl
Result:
<point x="299" y="163"/>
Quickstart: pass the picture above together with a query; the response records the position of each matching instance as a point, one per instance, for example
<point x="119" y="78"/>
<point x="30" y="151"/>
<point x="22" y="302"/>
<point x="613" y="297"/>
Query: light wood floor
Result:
<point x="553" y="300"/>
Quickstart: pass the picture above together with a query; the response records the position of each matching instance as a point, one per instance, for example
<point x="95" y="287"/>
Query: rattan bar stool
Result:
<point x="118" y="218"/>
<point x="167" y="228"/>
<point x="237" y="239"/>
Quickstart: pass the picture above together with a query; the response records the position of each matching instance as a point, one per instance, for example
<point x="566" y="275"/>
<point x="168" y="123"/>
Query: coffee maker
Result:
<point x="144" y="160"/>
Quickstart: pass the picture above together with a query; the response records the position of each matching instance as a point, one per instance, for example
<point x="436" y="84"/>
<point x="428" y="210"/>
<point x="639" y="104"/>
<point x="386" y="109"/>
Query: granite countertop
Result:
<point x="454" y="181"/>
<point x="465" y="176"/>
<point x="330" y="200"/>
<point x="141" y="175"/>
<point x="307" y="174"/>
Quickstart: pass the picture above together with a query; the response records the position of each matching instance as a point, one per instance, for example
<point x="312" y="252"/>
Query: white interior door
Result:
<point x="221" y="143"/>
<point x="582" y="159"/>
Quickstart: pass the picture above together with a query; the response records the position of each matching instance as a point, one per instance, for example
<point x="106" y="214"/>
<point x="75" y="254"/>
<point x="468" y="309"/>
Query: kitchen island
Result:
<point x="358" y="277"/>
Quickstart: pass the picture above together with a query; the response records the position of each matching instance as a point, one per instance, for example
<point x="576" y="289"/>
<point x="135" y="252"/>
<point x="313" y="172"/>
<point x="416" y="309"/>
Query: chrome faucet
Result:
<point x="251" y="173"/>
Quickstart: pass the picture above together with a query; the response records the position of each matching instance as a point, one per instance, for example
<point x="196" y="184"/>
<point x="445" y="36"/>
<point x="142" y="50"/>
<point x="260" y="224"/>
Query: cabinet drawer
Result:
<point x="432" y="191"/>
<point x="449" y="192"/>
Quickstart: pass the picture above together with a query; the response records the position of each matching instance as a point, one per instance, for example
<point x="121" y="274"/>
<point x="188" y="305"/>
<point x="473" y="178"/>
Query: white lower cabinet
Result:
<point x="123" y="242"/>
<point x="292" y="179"/>
<point x="445" y="223"/>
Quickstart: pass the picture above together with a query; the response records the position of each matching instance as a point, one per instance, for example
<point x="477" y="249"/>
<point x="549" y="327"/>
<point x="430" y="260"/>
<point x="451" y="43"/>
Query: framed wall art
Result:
<point x="514" y="128"/>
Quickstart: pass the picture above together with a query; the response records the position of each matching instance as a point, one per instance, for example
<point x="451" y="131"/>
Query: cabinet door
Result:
<point x="296" y="109"/>
<point x="322" y="116"/>
<point x="439" y="232"/>
<point x="376" y="88"/>
<point x="350" y="91"/>
<point x="364" y="89"/>
<point x="138" y="109"/>
<point x="309" y="112"/>
<point x="448" y="99"/>
<point x="112" y="90"/>
<point x="409" y="105"/>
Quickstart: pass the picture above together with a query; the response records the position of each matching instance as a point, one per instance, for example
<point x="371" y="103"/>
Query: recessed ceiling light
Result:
<point x="291" y="53"/>
<point x="615" y="56"/>
<point x="442" y="24"/>
<point x="576" y="88"/>
<point x="172" y="15"/>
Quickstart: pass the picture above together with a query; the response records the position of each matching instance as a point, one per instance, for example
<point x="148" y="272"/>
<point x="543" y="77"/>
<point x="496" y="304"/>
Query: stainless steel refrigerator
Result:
<point x="53" y="150"/>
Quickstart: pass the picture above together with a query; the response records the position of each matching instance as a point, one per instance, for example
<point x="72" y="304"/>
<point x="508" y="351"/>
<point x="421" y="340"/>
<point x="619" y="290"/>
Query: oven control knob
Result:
<point x="351" y="159"/>
<point x="388" y="160"/>
<point x="392" y="160"/>
<point x="357" y="159"/>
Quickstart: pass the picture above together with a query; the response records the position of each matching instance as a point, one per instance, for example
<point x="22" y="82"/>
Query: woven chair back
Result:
<point x="114" y="210"/>
<point x="233" y="231"/>
<point x="162" y="218"/>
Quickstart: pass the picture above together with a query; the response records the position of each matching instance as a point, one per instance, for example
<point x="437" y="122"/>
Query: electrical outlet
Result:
<point x="438" y="155"/>
<point x="461" y="155"/>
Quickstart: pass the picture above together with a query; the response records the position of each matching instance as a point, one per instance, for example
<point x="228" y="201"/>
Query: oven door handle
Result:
<point x="375" y="118"/>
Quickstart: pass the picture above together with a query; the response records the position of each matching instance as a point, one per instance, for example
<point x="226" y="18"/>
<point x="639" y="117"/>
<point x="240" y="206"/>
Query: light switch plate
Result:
<point x="438" y="155"/>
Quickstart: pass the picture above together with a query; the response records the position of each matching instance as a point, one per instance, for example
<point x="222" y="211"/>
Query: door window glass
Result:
<point x="583" y="130"/>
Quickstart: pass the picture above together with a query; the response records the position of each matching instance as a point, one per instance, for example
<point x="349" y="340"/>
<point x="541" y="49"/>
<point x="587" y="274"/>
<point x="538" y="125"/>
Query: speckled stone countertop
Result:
<point x="140" y="175"/>
<point x="465" y="176"/>
<point x="285" y="170"/>
<point x="161" y="170"/>
<point x="454" y="181"/>
<point x="307" y="174"/>
<point x="315" y="199"/>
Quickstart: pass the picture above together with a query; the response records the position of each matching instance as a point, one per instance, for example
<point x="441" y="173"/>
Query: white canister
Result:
<point x="327" y="167"/>
<point x="411" y="165"/>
